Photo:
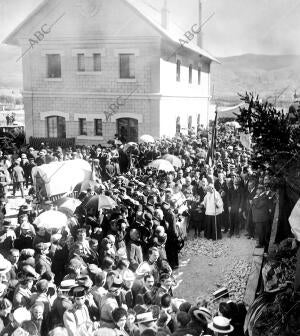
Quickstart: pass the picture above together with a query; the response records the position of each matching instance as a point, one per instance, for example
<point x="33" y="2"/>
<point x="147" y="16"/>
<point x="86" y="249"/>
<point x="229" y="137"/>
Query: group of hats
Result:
<point x="73" y="288"/>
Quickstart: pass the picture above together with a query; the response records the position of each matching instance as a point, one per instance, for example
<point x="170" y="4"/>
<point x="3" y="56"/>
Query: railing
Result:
<point x="51" y="142"/>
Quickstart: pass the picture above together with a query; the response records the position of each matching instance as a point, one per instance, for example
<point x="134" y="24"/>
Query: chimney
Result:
<point x="199" y="35"/>
<point x="165" y="16"/>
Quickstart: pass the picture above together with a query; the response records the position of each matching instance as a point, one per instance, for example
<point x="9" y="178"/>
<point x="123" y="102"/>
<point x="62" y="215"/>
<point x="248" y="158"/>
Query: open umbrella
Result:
<point x="69" y="206"/>
<point x="147" y="138"/>
<point x="161" y="164"/>
<point x="51" y="219"/>
<point x="174" y="160"/>
<point x="98" y="202"/>
<point x="129" y="145"/>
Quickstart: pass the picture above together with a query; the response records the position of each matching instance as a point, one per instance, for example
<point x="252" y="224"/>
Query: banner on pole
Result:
<point x="245" y="140"/>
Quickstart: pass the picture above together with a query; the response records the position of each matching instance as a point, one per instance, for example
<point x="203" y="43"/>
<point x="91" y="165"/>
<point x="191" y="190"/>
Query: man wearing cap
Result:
<point x="18" y="178"/>
<point x="62" y="302"/>
<point x="7" y="237"/>
<point x="126" y="290"/>
<point x="111" y="300"/>
<point x="23" y="293"/>
<point x="25" y="240"/>
<point x="78" y="316"/>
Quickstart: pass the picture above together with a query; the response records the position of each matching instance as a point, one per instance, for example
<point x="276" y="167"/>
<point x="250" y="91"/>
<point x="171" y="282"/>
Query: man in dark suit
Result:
<point x="172" y="236"/>
<point x="235" y="204"/>
<point x="165" y="288"/>
<point x="148" y="283"/>
<point x="261" y="210"/>
<point x="249" y="195"/>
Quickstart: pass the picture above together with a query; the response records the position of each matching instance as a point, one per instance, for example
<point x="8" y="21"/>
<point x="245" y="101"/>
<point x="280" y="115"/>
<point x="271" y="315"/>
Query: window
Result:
<point x="127" y="66"/>
<point x="178" y="64"/>
<point x="190" y="74"/>
<point x="80" y="63"/>
<point x="190" y="122"/>
<point x="178" y="127"/>
<point x="128" y="129"/>
<point x="53" y="66"/>
<point x="97" y="62"/>
<point x="98" y="127"/>
<point x="198" y="122"/>
<point x="56" y="127"/>
<point x="82" y="126"/>
<point x="199" y="76"/>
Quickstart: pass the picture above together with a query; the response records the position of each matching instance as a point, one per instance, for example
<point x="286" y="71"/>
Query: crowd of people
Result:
<point x="111" y="271"/>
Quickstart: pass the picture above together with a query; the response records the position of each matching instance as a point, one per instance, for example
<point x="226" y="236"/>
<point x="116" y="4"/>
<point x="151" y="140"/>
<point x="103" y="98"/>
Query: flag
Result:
<point x="294" y="220"/>
<point x="245" y="140"/>
<point x="211" y="150"/>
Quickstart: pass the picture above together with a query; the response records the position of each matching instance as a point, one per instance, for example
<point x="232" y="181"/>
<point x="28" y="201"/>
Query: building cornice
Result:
<point x="95" y="41"/>
<point x="107" y="95"/>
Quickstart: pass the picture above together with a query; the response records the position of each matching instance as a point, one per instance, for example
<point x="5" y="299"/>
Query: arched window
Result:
<point x="56" y="127"/>
<point x="178" y="127"/>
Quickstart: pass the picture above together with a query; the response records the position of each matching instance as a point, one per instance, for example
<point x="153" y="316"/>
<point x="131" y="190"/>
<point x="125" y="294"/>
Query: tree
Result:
<point x="276" y="145"/>
<point x="276" y="140"/>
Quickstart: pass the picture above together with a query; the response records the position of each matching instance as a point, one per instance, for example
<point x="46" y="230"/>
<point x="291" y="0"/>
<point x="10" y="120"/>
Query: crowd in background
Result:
<point x="112" y="270"/>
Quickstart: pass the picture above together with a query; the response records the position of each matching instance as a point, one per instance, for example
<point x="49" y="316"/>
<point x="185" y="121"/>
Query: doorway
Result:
<point x="128" y="128"/>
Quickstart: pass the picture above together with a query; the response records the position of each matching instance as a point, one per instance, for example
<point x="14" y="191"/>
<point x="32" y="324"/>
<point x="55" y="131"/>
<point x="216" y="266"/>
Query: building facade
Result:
<point x="92" y="69"/>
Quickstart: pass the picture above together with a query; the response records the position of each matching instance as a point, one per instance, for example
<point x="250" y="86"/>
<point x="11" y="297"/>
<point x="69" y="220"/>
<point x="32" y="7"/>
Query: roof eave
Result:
<point x="11" y="38"/>
<point x="161" y="31"/>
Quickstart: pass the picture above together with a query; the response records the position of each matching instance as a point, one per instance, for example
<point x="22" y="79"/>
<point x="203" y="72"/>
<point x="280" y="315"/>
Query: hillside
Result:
<point x="10" y="70"/>
<point x="263" y="74"/>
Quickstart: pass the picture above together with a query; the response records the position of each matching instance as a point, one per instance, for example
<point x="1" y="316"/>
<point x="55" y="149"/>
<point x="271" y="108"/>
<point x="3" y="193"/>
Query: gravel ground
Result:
<point x="206" y="266"/>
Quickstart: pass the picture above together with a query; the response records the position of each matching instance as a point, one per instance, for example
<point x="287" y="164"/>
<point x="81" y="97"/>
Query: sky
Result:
<point x="237" y="26"/>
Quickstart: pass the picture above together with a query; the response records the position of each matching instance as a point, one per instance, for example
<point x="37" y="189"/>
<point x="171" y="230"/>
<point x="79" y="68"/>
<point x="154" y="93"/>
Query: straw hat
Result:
<point x="145" y="318"/>
<point x="5" y="265"/>
<point x="21" y="315"/>
<point x="142" y="269"/>
<point x="221" y="325"/>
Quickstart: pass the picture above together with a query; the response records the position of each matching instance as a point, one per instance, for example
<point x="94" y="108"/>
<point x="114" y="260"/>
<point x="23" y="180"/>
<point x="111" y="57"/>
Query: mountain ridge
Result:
<point x="267" y="75"/>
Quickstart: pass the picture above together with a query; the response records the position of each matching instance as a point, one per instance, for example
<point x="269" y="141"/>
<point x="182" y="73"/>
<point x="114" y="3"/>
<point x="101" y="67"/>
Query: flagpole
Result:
<point x="213" y="164"/>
